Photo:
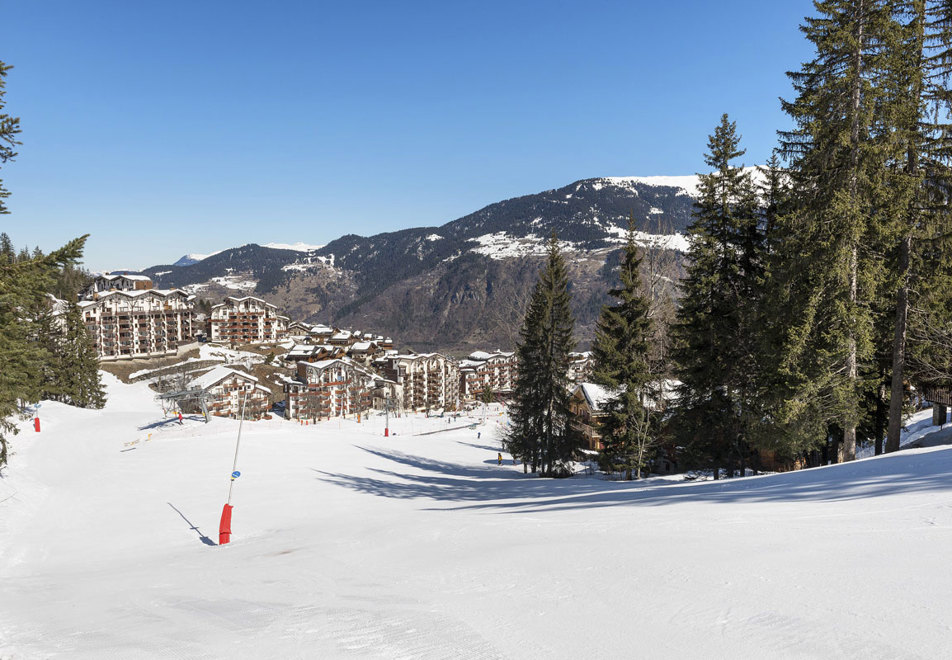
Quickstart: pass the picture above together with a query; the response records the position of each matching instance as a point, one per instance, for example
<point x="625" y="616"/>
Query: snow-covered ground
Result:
<point x="350" y="544"/>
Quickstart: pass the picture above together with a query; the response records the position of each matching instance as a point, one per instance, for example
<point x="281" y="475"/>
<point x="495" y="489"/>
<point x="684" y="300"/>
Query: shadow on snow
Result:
<point x="493" y="488"/>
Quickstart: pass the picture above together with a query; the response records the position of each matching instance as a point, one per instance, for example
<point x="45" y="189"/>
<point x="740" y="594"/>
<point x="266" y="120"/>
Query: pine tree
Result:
<point x="72" y="369"/>
<point x="541" y="434"/>
<point x="25" y="282"/>
<point x="9" y="128"/>
<point x="620" y="354"/>
<point x="82" y="361"/>
<point x="716" y="356"/>
<point x="827" y="267"/>
<point x="924" y="66"/>
<point x="7" y="254"/>
<point x="23" y="357"/>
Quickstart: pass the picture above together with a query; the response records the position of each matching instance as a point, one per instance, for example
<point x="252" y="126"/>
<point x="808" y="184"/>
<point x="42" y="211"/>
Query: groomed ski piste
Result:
<point x="349" y="544"/>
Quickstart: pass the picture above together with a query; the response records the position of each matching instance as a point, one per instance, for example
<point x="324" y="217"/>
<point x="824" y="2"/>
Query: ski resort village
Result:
<point x="425" y="331"/>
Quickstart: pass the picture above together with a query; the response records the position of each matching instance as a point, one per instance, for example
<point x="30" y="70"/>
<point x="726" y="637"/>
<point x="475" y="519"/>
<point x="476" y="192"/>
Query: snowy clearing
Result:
<point x="350" y="544"/>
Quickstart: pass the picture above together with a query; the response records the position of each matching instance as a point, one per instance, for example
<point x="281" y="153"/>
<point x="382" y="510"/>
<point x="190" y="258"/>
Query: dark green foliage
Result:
<point x="72" y="374"/>
<point x="826" y="267"/>
<point x="541" y="434"/>
<point x="9" y="128"/>
<point x="716" y="326"/>
<point x="621" y="359"/>
<point x="25" y="357"/>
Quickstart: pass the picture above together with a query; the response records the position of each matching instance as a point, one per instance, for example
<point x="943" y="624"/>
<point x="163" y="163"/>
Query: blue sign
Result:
<point x="235" y="474"/>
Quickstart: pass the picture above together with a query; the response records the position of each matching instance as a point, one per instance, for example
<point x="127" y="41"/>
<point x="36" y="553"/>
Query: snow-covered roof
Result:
<point x="138" y="293"/>
<point x="595" y="395"/>
<point x="362" y="346"/>
<point x="132" y="278"/>
<point x="302" y="349"/>
<point x="236" y="300"/>
<point x="218" y="374"/>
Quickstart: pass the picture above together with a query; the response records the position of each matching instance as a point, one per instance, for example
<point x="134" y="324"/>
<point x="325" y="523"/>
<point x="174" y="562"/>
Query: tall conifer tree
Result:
<point x="622" y="365"/>
<point x="922" y="61"/>
<point x="716" y="358"/>
<point x="828" y="268"/>
<point x="541" y="433"/>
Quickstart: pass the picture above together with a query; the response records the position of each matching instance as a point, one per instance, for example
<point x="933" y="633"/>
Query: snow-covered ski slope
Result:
<point x="351" y="545"/>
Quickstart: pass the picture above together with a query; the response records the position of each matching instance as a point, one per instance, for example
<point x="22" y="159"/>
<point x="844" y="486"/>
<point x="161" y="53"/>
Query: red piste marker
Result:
<point x="224" y="527"/>
<point x="36" y="424"/>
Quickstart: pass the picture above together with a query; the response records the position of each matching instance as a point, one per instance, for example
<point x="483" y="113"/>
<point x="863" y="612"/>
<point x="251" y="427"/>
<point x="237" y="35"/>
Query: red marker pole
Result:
<point x="36" y="424"/>
<point x="224" y="527"/>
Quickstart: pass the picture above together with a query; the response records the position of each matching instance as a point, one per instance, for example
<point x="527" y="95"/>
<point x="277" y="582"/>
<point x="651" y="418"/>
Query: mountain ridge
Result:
<point x="449" y="279"/>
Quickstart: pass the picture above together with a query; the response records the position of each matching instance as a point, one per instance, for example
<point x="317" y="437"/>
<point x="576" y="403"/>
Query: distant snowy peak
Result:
<point x="687" y="184"/>
<point x="193" y="258"/>
<point x="297" y="247"/>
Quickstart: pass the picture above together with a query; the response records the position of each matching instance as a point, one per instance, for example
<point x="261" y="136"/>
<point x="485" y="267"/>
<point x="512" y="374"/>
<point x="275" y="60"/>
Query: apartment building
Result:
<point x="137" y="322"/>
<point x="246" y="320"/>
<point x="229" y="391"/>
<point x="329" y="388"/>
<point x="429" y="381"/>
<point x="482" y="370"/>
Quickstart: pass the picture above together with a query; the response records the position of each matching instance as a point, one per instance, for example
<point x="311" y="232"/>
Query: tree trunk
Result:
<point x="899" y="349"/>
<point x="847" y="451"/>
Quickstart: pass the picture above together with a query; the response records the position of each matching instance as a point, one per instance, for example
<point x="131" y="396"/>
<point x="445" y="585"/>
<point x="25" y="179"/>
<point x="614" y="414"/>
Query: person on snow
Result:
<point x="499" y="458"/>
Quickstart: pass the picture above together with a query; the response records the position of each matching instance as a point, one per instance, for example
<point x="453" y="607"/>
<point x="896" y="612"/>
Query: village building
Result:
<point x="364" y="352"/>
<point x="493" y="371"/>
<point x="299" y="331"/>
<point x="329" y="388"/>
<point x="138" y="322"/>
<point x="109" y="282"/>
<point x="343" y="338"/>
<point x="941" y="400"/>
<point x="587" y="407"/>
<point x="321" y="333"/>
<point x="246" y="320"/>
<point x="429" y="381"/>
<point x="580" y="367"/>
<point x="228" y="392"/>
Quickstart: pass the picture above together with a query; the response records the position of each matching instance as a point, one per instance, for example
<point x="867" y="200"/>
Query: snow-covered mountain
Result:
<point x="437" y="285"/>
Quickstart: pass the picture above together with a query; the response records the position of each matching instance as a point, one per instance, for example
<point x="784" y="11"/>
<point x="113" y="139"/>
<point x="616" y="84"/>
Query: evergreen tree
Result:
<point x="541" y="434"/>
<point x="9" y="128"/>
<point x="716" y="358"/>
<point x="827" y="266"/>
<point x="25" y="282"/>
<point x="7" y="253"/>
<point x="82" y="362"/>
<point x="72" y="373"/>
<point x="923" y="68"/>
<point x="622" y="364"/>
<point x="23" y="357"/>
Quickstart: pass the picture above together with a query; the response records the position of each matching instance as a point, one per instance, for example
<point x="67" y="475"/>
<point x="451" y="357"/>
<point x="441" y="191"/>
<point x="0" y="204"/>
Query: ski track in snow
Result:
<point x="348" y="544"/>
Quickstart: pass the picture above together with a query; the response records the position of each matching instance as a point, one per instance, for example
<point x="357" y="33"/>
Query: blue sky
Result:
<point x="174" y="127"/>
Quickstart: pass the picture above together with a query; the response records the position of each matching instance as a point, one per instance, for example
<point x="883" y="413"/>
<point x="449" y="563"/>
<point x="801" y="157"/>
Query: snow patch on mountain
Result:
<point x="502" y="245"/>
<point x="678" y="242"/>
<point x="297" y="247"/>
